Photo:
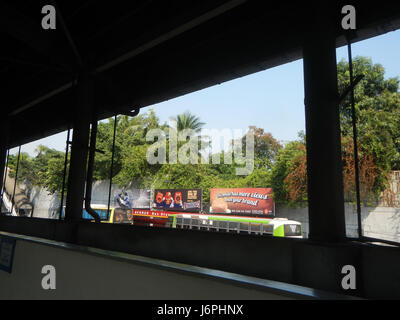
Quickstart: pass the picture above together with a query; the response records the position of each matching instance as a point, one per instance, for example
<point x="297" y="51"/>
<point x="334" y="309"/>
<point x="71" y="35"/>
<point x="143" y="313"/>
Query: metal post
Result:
<point x="112" y="165"/>
<point x="355" y="138"/>
<point x="89" y="179"/>
<point x="5" y="175"/>
<point x="64" y="173"/>
<point x="16" y="178"/>
<point x="324" y="167"/>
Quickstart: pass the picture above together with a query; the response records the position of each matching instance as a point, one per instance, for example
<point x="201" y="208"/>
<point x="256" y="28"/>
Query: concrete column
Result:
<point x="79" y="149"/>
<point x="4" y="130"/>
<point x="324" y="168"/>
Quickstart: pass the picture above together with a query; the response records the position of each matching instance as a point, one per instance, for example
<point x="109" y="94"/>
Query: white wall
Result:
<point x="45" y="205"/>
<point x="378" y="222"/>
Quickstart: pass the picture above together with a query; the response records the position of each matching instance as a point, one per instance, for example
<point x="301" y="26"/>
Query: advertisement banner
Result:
<point x="242" y="201"/>
<point x="187" y="200"/>
<point x="132" y="198"/>
<point x="150" y="213"/>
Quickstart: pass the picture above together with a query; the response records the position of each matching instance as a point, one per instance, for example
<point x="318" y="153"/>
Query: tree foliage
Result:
<point x="44" y="170"/>
<point x="187" y="120"/>
<point x="288" y="175"/>
<point x="377" y="104"/>
<point x="266" y="147"/>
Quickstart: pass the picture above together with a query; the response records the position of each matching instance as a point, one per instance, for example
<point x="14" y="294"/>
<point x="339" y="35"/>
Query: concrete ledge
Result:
<point x="259" y="287"/>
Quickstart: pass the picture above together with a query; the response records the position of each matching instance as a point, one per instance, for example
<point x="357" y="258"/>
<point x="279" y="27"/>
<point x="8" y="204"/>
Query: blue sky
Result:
<point x="270" y="99"/>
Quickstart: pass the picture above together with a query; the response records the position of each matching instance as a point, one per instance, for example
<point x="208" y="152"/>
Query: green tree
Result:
<point x="377" y="105"/>
<point x="130" y="144"/>
<point x="44" y="170"/>
<point x="27" y="170"/>
<point x="266" y="147"/>
<point x="291" y="192"/>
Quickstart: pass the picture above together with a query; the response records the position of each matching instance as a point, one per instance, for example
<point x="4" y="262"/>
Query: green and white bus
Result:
<point x="277" y="227"/>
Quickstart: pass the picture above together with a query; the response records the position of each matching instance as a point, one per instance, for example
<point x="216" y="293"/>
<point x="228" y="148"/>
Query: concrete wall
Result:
<point x="47" y="205"/>
<point x="80" y="275"/>
<point x="377" y="222"/>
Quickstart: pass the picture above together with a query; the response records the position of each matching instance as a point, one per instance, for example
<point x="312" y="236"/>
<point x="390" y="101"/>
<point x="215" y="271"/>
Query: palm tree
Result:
<point x="187" y="120"/>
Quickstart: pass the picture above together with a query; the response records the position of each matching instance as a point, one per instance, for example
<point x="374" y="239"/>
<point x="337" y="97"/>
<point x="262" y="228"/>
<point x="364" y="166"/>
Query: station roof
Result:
<point x="144" y="52"/>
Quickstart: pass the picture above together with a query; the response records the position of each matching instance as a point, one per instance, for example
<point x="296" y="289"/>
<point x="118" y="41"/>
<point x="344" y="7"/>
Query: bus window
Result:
<point x="268" y="229"/>
<point x="244" y="227"/>
<point x="186" y="223"/>
<point x="223" y="225"/>
<point x="195" y="224"/>
<point x="255" y="228"/>
<point x="233" y="226"/>
<point x="179" y="222"/>
<point x="292" y="230"/>
<point x="103" y="214"/>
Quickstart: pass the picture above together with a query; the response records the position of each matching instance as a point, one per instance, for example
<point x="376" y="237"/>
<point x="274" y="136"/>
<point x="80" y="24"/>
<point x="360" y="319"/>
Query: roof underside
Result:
<point x="145" y="52"/>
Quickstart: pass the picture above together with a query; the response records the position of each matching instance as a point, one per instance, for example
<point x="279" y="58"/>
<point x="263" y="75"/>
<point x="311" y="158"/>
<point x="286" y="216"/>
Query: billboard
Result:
<point x="187" y="200"/>
<point x="242" y="201"/>
<point x="132" y="198"/>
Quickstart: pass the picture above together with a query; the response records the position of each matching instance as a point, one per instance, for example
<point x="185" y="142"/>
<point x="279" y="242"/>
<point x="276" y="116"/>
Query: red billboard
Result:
<point x="242" y="201"/>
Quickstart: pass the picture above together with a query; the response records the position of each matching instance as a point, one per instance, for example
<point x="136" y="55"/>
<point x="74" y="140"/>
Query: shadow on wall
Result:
<point x="46" y="205"/>
<point x="381" y="223"/>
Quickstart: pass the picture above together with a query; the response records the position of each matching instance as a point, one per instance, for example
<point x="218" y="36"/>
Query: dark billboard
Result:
<point x="186" y="200"/>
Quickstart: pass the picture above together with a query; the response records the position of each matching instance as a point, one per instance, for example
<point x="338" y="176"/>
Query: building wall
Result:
<point x="47" y="205"/>
<point x="377" y="222"/>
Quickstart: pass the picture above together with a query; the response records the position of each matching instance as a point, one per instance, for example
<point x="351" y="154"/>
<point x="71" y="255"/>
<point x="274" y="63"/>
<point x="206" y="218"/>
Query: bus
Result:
<point x="277" y="227"/>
